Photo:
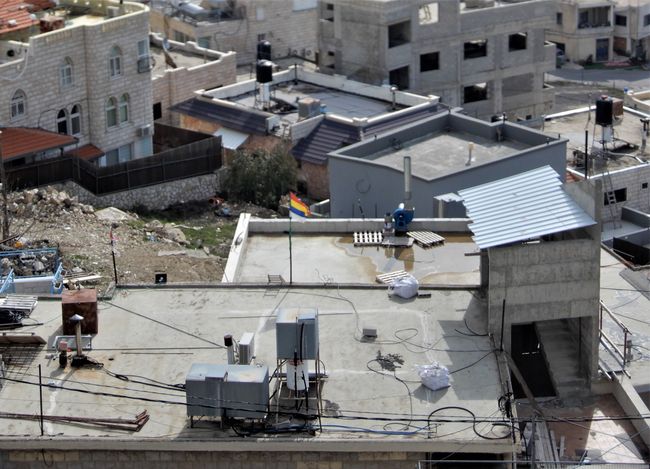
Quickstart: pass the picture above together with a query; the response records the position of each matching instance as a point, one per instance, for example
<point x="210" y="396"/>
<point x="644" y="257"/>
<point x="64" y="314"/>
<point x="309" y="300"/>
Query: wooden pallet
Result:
<point x="368" y="238"/>
<point x="24" y="303"/>
<point x="426" y="238"/>
<point x="391" y="277"/>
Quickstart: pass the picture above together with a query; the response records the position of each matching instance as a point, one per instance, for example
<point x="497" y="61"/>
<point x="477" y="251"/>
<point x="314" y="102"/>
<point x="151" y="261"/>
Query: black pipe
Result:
<point x="586" y="154"/>
<point x="503" y="317"/>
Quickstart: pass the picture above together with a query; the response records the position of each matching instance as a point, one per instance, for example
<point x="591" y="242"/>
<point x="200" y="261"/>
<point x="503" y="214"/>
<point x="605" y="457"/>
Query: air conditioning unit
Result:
<point x="246" y="348"/>
<point x="113" y="12"/>
<point x="145" y="131"/>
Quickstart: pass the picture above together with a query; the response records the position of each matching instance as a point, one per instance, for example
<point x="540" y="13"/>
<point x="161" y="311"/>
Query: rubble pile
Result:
<point x="46" y="203"/>
<point x="27" y="263"/>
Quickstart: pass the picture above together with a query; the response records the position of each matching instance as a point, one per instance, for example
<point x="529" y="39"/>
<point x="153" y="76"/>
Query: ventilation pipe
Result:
<point x="407" y="183"/>
<point x="470" y="149"/>
<point x="227" y="341"/>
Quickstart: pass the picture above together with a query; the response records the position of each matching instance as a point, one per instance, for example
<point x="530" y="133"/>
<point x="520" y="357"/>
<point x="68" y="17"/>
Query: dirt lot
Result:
<point x="188" y="242"/>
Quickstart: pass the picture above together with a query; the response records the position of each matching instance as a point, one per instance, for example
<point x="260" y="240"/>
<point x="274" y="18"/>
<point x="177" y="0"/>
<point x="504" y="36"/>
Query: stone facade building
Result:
<point x="290" y="26"/>
<point x="487" y="57"/>
<point x="90" y="78"/>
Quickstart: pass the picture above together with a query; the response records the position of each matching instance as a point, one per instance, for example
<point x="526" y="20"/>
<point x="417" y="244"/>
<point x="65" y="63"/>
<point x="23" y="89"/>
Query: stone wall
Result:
<point x="204" y="459"/>
<point x="156" y="197"/>
<point x="87" y="46"/>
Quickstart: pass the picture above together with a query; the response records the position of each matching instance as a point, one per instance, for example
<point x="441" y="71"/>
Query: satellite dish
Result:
<point x="165" y="44"/>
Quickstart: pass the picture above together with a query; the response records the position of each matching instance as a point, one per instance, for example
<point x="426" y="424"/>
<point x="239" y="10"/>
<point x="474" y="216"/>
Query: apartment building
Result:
<point x="239" y="25"/>
<point x="595" y="31"/>
<point x="487" y="56"/>
<point x="82" y="70"/>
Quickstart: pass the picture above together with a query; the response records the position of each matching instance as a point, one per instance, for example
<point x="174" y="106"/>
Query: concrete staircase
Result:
<point x="560" y="349"/>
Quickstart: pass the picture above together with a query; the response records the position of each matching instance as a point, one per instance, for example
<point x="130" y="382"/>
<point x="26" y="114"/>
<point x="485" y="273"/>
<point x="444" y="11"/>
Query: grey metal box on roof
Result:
<point x="291" y="325"/>
<point x="204" y="389"/>
<point x="240" y="391"/>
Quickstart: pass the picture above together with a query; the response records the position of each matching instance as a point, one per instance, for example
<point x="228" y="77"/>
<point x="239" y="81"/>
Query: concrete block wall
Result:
<point x="91" y="459"/>
<point x="359" y="41"/>
<point x="631" y="179"/>
<point x="88" y="47"/>
<point x="286" y="29"/>
<point x="545" y="281"/>
<point x="177" y="85"/>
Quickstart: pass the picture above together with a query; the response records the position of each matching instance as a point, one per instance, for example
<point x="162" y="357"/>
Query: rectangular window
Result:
<point x="474" y="93"/>
<point x="399" y="77"/>
<point x="430" y="61"/>
<point x="475" y="49"/>
<point x="181" y="37"/>
<point x="559" y="19"/>
<point x="620" y="20"/>
<point x="111" y="116"/>
<point x="399" y="34"/>
<point x="143" y="48"/>
<point x="615" y="197"/>
<point x="111" y="158"/>
<point x="299" y="5"/>
<point x="261" y="37"/>
<point x="259" y="14"/>
<point x="646" y="20"/>
<point x="517" y="41"/>
<point x="203" y="42"/>
<point x="157" y="111"/>
<point x="428" y="14"/>
<point x="124" y="153"/>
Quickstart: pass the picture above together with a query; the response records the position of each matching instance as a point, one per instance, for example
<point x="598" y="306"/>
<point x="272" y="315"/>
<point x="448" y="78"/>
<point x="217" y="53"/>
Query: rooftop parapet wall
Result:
<point x="338" y="82"/>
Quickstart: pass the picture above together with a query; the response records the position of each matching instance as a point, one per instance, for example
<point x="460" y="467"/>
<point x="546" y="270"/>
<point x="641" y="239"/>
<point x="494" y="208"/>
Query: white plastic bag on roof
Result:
<point x="405" y="287"/>
<point x="434" y="376"/>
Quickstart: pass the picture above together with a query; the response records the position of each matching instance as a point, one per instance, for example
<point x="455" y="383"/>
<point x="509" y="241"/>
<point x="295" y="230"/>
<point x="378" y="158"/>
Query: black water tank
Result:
<point x="264" y="50"/>
<point x="264" y="71"/>
<point x="604" y="111"/>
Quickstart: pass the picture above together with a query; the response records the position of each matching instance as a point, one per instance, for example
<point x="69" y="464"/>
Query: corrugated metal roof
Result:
<point x="23" y="141"/>
<point x="521" y="207"/>
<point x="328" y="136"/>
<point x="240" y="118"/>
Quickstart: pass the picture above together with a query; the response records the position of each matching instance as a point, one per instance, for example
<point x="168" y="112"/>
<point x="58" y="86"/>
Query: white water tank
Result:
<point x="297" y="375"/>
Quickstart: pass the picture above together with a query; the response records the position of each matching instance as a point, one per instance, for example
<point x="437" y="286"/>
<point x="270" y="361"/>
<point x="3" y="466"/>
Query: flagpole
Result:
<point x="290" y="256"/>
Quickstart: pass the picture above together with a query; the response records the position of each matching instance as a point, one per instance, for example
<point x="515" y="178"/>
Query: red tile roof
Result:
<point x="86" y="152"/>
<point x="22" y="141"/>
<point x="15" y="11"/>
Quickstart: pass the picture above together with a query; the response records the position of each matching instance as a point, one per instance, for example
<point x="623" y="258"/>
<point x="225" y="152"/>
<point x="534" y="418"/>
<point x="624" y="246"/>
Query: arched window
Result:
<point x="66" y="78"/>
<point x="75" y="120"/>
<point x="111" y="112"/>
<point x="18" y="104"/>
<point x="124" y="108"/>
<point x="115" y="62"/>
<point x="62" y="122"/>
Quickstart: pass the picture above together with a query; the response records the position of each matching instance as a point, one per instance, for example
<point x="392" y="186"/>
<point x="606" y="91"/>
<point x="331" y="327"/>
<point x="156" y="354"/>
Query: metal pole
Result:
<point x="113" y="255"/>
<point x="290" y="254"/>
<point x="503" y="317"/>
<point x="40" y="392"/>
<point x="532" y="445"/>
<point x="5" y="209"/>
<point x="586" y="154"/>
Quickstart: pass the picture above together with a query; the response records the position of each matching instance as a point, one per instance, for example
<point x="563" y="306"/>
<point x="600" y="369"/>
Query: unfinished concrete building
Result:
<point x="596" y="30"/>
<point x="489" y="57"/>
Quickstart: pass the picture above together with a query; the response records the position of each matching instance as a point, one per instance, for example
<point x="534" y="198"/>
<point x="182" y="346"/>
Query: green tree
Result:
<point x="262" y="176"/>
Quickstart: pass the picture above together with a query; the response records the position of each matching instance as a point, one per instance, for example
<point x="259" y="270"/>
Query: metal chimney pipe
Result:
<point x="407" y="182"/>
<point x="77" y="331"/>
<point x="227" y="340"/>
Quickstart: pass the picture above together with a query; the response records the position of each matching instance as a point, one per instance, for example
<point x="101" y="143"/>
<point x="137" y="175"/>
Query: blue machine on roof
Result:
<point x="404" y="213"/>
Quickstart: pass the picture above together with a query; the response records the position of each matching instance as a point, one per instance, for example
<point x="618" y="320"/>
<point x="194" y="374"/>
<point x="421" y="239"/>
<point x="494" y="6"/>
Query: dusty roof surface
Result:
<point x="158" y="333"/>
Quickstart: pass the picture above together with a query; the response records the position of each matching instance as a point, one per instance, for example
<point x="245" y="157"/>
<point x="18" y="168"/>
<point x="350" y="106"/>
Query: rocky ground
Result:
<point x="189" y="242"/>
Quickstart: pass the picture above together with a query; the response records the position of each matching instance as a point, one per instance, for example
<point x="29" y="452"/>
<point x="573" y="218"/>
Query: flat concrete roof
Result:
<point x="573" y="128"/>
<point x="341" y="103"/>
<point x="158" y="333"/>
<point x="441" y="153"/>
<point x="181" y="58"/>
<point x="330" y="259"/>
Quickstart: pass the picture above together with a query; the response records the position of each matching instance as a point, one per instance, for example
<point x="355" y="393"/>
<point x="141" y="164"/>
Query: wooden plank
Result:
<point x="426" y="238"/>
<point x="6" y="339"/>
<point x="390" y="277"/>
